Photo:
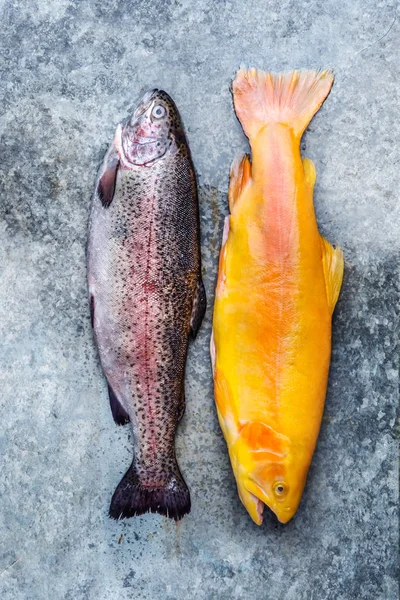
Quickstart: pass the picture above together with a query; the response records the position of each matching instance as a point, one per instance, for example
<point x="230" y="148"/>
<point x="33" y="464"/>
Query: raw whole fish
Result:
<point x="147" y="295"/>
<point x="278" y="284"/>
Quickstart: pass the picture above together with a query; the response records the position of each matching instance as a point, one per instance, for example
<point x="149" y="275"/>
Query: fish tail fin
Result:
<point x="136" y="496"/>
<point x="293" y="98"/>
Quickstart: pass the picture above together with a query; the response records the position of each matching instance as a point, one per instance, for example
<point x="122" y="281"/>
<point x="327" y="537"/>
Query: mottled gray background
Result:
<point x="70" y="71"/>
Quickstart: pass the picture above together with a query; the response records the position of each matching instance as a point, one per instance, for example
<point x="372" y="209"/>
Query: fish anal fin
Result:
<point x="198" y="308"/>
<point x="310" y="172"/>
<point x="119" y="414"/>
<point x="333" y="264"/>
<point x="212" y="351"/>
<point x="222" y="259"/>
<point x="239" y="177"/>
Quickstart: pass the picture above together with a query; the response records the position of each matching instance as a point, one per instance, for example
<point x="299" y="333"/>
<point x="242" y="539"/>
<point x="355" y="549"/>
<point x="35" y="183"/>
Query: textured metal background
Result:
<point x="71" y="70"/>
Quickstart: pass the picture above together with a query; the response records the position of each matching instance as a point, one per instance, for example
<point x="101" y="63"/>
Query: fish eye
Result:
<point x="159" y="111"/>
<point x="280" y="488"/>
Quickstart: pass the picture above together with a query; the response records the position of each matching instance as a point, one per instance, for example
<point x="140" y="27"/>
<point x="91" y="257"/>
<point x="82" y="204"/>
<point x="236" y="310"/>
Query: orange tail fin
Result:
<point x="289" y="98"/>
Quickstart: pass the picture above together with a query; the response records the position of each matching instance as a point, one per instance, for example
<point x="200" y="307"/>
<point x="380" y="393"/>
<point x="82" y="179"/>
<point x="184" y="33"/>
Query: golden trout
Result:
<point x="278" y="283"/>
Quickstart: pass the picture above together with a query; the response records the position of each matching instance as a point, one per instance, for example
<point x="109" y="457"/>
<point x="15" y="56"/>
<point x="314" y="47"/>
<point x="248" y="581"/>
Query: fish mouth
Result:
<point x="142" y="141"/>
<point x="259" y="508"/>
<point x="259" y="500"/>
<point x="252" y="503"/>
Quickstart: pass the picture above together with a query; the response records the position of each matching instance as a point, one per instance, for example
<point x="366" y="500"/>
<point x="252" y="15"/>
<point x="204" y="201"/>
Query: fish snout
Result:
<point x="148" y="135"/>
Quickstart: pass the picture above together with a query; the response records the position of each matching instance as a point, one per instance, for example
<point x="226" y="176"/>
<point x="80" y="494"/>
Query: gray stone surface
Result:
<point x="70" y="71"/>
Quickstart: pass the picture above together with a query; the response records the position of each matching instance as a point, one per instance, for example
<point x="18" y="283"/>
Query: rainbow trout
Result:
<point x="147" y="296"/>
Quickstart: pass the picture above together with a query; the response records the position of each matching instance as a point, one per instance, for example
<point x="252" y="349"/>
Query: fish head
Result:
<point x="277" y="486"/>
<point x="269" y="472"/>
<point x="152" y="130"/>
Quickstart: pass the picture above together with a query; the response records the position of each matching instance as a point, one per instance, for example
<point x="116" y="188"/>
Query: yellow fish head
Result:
<point x="268" y="476"/>
<point x="276" y="487"/>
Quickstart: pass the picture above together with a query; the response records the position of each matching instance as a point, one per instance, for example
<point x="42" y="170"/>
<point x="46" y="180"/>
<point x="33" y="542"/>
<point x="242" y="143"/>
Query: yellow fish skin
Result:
<point x="278" y="283"/>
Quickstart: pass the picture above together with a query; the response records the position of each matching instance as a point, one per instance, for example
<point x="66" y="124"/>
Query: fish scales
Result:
<point x="144" y="278"/>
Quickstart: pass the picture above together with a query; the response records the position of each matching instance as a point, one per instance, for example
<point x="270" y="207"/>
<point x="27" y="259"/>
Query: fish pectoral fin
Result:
<point x="240" y="176"/>
<point x="198" y="308"/>
<point x="310" y="172"/>
<point x="333" y="264"/>
<point x="108" y="177"/>
<point x="119" y="414"/>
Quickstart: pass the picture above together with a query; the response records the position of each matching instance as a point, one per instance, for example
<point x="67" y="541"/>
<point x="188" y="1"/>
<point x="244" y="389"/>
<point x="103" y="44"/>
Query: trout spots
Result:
<point x="149" y="287"/>
<point x="144" y="256"/>
<point x="149" y="353"/>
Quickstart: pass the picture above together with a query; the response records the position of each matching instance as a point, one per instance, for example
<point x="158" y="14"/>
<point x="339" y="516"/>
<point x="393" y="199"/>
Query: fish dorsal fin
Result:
<point x="310" y="172"/>
<point x="239" y="178"/>
<point x="333" y="263"/>
<point x="198" y="308"/>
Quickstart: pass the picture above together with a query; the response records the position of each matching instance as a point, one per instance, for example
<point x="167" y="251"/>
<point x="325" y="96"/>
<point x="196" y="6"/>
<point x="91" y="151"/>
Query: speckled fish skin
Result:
<point x="147" y="295"/>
